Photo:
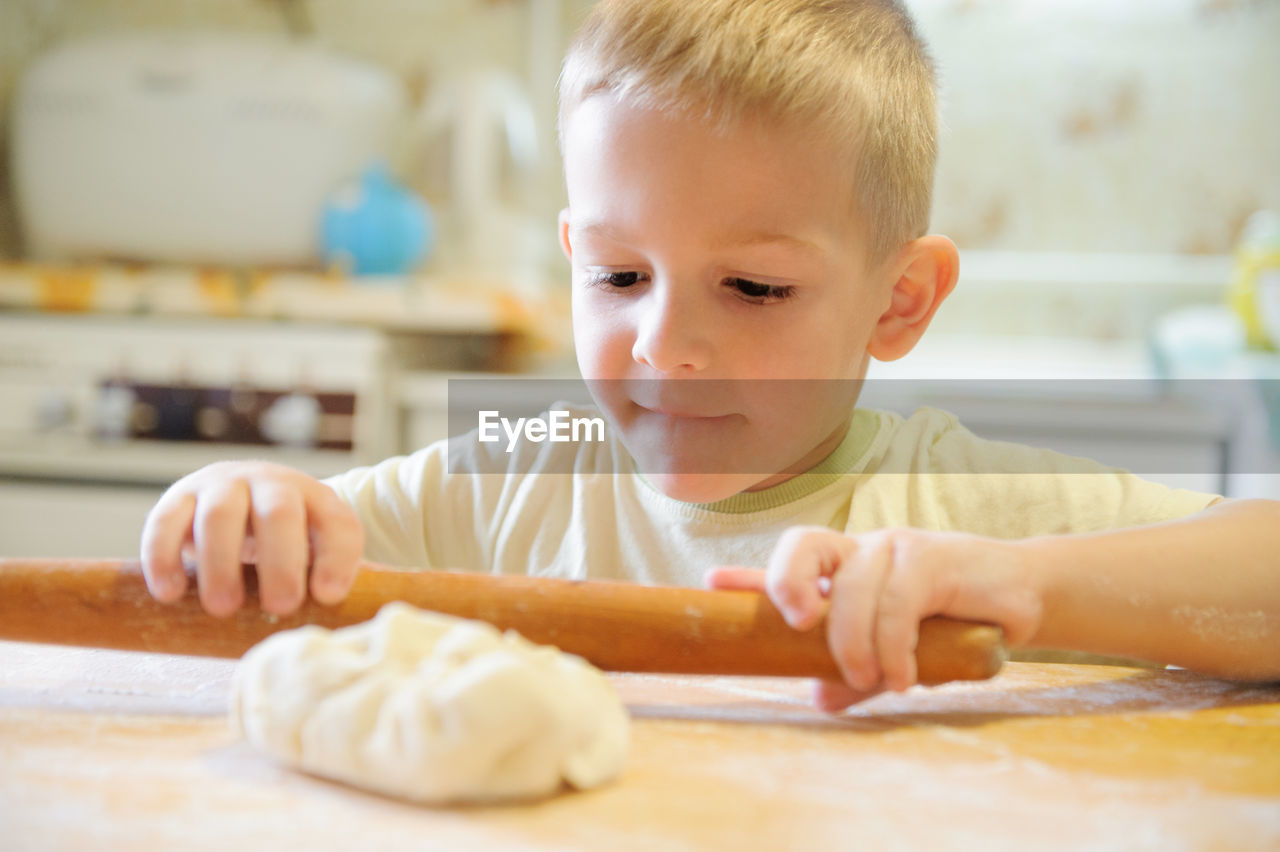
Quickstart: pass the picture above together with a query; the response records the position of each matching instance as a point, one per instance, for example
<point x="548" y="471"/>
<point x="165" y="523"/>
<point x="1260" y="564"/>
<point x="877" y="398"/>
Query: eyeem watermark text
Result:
<point x="556" y="427"/>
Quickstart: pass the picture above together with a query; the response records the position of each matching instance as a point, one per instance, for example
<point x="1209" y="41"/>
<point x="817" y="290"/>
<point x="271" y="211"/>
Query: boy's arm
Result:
<point x="1202" y="592"/>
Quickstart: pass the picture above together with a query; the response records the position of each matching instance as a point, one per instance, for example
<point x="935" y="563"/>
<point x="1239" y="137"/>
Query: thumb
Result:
<point x="800" y="561"/>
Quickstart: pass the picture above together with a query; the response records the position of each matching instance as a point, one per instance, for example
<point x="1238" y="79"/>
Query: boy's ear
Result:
<point x="925" y="272"/>
<point x="564" y="234"/>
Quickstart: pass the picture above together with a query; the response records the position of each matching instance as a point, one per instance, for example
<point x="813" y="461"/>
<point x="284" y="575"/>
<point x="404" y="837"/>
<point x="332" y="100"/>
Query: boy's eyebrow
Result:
<point x="736" y="240"/>
<point x="755" y="238"/>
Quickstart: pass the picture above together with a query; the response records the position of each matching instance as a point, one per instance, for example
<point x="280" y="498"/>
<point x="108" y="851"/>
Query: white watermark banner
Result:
<point x="1164" y="427"/>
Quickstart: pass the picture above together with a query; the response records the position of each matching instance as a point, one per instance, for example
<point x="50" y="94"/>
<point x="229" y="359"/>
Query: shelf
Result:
<point x="410" y="303"/>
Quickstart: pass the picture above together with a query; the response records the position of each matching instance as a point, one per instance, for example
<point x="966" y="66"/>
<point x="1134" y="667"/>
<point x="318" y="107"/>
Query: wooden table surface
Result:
<point x="116" y="750"/>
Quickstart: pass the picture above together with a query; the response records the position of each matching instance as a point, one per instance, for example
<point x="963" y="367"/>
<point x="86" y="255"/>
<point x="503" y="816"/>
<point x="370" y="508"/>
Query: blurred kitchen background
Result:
<point x="274" y="228"/>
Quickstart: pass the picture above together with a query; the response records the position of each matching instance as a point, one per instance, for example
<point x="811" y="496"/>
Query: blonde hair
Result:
<point x="854" y="68"/>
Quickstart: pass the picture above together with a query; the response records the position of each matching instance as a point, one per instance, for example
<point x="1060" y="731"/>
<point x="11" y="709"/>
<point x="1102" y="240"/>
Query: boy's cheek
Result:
<point x="601" y="345"/>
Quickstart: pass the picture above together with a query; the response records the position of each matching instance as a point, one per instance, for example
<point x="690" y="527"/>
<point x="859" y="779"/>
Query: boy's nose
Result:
<point x="670" y="336"/>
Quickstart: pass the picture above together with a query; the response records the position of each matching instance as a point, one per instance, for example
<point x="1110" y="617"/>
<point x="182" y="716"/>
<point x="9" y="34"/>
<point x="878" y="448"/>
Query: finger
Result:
<point x="337" y="541"/>
<point x="832" y="696"/>
<point x="897" y="629"/>
<point x="166" y="530"/>
<point x="910" y="585"/>
<point x="222" y="514"/>
<point x="851" y="623"/>
<point x="804" y="556"/>
<point x="732" y="578"/>
<point x="279" y="545"/>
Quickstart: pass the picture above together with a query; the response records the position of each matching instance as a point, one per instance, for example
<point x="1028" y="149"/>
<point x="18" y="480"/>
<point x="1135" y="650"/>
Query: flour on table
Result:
<point x="430" y="707"/>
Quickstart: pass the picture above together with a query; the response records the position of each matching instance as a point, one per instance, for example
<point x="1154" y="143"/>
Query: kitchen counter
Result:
<point x="113" y="750"/>
<point x="415" y="303"/>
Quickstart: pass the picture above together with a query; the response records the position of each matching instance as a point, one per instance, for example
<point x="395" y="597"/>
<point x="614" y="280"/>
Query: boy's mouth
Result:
<point x="681" y="413"/>
<point x="705" y="400"/>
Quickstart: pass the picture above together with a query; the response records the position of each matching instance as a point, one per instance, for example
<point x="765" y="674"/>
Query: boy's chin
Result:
<point x="701" y="487"/>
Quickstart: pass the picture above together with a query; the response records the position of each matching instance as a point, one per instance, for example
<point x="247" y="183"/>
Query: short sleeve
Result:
<point x="1007" y="490"/>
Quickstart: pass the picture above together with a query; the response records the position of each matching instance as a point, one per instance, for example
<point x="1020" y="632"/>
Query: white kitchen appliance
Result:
<point x="192" y="147"/>
<point x="98" y="414"/>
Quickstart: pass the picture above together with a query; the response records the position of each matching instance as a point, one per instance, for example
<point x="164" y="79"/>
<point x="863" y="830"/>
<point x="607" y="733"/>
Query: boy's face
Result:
<point x="733" y="257"/>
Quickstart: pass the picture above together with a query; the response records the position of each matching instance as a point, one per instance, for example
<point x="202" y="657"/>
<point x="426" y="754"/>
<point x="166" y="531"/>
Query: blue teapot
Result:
<point x="375" y="226"/>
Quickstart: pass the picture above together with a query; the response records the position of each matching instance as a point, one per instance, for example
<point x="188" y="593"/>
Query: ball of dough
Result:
<point x="430" y="707"/>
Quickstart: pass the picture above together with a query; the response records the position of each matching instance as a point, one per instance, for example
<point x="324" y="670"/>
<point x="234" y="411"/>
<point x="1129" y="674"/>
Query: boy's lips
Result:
<point x="680" y="413"/>
<point x="705" y="400"/>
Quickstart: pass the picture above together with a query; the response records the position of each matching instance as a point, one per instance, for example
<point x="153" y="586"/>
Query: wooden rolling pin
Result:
<point x="615" y="626"/>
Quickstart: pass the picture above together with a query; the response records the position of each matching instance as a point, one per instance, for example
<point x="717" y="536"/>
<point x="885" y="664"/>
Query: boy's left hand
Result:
<point x="876" y="588"/>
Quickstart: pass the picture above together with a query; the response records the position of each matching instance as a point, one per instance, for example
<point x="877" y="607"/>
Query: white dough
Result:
<point x="431" y="708"/>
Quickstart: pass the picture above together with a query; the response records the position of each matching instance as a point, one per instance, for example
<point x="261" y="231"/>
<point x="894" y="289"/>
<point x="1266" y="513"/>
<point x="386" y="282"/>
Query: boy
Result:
<point x="748" y="196"/>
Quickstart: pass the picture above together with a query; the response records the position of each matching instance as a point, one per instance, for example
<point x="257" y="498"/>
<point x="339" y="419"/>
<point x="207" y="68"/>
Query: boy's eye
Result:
<point x="613" y="280"/>
<point x="744" y="288"/>
<point x="754" y="291"/>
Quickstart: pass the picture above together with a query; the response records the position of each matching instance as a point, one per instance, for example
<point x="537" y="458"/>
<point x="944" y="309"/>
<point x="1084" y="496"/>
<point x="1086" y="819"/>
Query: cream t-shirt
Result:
<point x="564" y="510"/>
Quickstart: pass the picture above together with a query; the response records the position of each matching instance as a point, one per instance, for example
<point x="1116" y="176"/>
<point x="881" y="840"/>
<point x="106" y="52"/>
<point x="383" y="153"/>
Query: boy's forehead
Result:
<point x="756" y="183"/>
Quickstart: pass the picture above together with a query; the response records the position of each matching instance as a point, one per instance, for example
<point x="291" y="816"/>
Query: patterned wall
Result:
<point x="1070" y="125"/>
<point x="1100" y="125"/>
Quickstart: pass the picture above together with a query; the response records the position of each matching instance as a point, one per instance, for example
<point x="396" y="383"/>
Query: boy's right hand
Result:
<point x="875" y="588"/>
<point x="234" y="512"/>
